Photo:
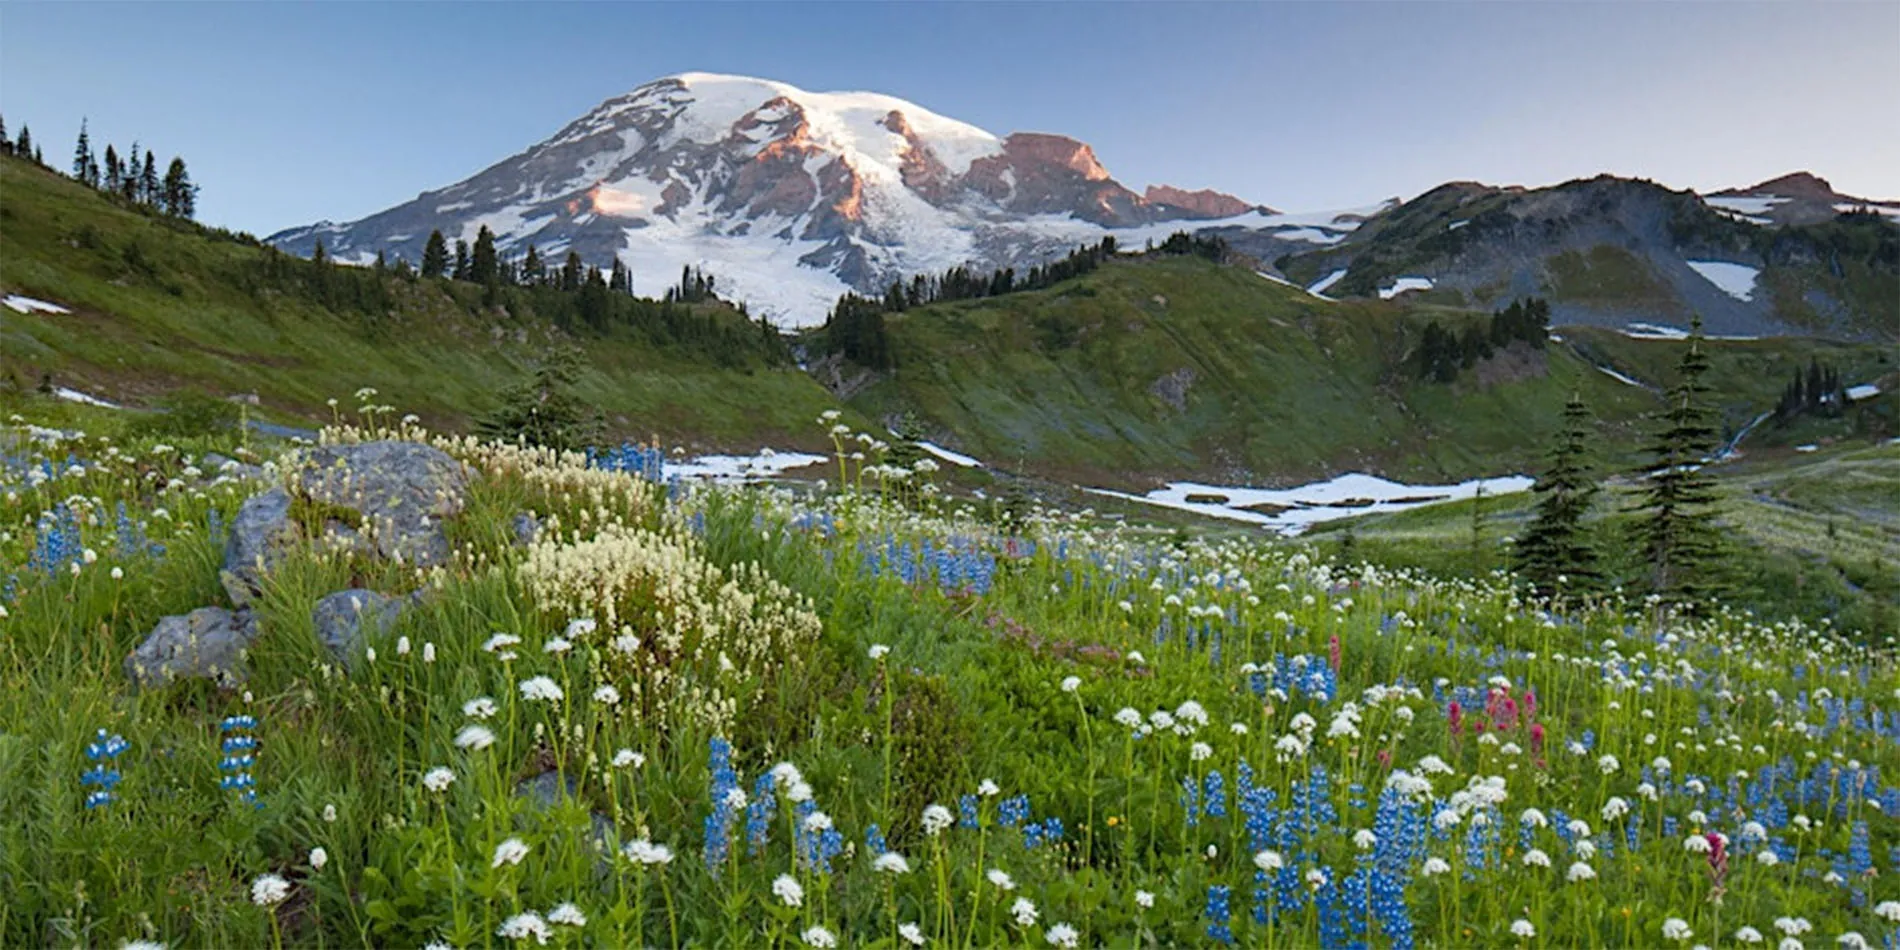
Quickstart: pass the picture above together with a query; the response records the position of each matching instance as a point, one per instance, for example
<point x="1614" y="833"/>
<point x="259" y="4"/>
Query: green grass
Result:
<point x="1024" y="681"/>
<point x="1072" y="382"/>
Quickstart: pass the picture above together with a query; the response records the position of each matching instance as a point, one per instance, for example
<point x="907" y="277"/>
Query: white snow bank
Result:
<point x="1404" y="284"/>
<point x="1310" y="235"/>
<point x="1863" y="391"/>
<point x="1619" y="377"/>
<point x="21" y="304"/>
<point x="1663" y="331"/>
<point x="1307" y="505"/>
<point x="954" y="458"/>
<point x="766" y="464"/>
<point x="74" y="395"/>
<point x="1745" y="205"/>
<point x="1736" y="280"/>
<point x="1319" y="289"/>
<point x="1807" y="448"/>
<point x="1455" y="225"/>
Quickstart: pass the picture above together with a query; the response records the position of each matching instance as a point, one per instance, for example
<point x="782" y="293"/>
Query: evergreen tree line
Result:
<point x="123" y="174"/>
<point x="1818" y="391"/>
<point x="1673" y="530"/>
<point x="576" y="296"/>
<point x="1442" y="354"/>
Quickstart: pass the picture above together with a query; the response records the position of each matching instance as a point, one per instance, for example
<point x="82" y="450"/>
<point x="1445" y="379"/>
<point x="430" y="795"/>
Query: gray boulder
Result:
<point x="209" y="642"/>
<point x="345" y="618"/>
<point x="401" y="490"/>
<point x="260" y="534"/>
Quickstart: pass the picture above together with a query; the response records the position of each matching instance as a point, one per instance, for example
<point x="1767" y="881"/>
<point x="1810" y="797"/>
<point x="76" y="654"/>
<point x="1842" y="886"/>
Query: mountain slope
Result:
<point x="1176" y="367"/>
<point x="790" y="197"/>
<point x="160" y="305"/>
<point x="1615" y="251"/>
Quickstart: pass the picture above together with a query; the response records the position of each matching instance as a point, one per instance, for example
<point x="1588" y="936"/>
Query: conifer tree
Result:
<point x="543" y="409"/>
<point x="1677" y="532"/>
<point x="1556" y="545"/>
<point x="461" y="260"/>
<point x="571" y="273"/>
<point x="129" y="175"/>
<point x="25" y="145"/>
<point x="180" y="197"/>
<point x="483" y="266"/>
<point x="435" y="255"/>
<point x="113" y="171"/>
<point x="82" y="157"/>
<point x="533" y="271"/>
<point x="6" y="144"/>
<point x="148" y="180"/>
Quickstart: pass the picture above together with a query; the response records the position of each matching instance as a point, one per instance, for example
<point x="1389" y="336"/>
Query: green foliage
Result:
<point x="189" y="413"/>
<point x="1555" y="552"/>
<point x="1676" y="532"/>
<point x="543" y="409"/>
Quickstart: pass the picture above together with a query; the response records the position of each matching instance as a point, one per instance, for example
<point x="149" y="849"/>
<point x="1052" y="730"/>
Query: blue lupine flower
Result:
<point x="1218" y="914"/>
<point x="717" y="828"/>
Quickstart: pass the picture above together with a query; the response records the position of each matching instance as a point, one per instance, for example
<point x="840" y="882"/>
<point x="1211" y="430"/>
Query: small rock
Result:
<point x="259" y="534"/>
<point x="545" y="792"/>
<point x="342" y="619"/>
<point x="217" y="465"/>
<point x="527" y="528"/>
<point x="209" y="642"/>
<point x="402" y="490"/>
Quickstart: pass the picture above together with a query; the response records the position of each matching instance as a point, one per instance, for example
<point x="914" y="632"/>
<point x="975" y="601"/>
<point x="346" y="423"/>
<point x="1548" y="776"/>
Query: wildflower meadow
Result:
<point x="613" y="711"/>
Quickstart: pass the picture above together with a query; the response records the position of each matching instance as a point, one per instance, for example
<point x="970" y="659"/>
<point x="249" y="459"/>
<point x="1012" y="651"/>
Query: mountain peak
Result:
<point x="1798" y="185"/>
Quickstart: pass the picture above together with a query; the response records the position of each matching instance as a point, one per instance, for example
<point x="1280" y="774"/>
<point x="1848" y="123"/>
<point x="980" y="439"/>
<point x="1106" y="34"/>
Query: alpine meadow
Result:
<point x="761" y="517"/>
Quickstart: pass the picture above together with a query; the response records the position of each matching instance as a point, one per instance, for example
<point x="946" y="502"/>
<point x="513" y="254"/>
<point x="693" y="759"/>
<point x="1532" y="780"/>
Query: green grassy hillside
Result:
<point x="160" y="305"/>
<point x="1179" y="367"/>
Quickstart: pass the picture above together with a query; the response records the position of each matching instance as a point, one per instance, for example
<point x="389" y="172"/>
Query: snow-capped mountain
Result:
<point x="1798" y="198"/>
<point x="790" y="198"/>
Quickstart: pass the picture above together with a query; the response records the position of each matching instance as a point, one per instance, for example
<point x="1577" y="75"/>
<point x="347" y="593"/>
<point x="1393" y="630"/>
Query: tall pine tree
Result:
<point x="435" y="255"/>
<point x="484" y="267"/>
<point x="180" y="197"/>
<point x="1555" y="553"/>
<point x="1677" y="531"/>
<point x="114" y="173"/>
<point x="461" y="260"/>
<point x="82" y="157"/>
<point x="148" y="180"/>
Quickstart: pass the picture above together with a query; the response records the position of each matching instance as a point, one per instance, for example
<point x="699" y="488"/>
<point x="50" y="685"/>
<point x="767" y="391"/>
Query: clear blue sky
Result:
<point x="288" y="113"/>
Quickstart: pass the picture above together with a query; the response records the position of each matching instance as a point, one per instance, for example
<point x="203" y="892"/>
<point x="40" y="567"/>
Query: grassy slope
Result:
<point x="1284" y="386"/>
<point x="135" y="334"/>
<point x="1819" y="535"/>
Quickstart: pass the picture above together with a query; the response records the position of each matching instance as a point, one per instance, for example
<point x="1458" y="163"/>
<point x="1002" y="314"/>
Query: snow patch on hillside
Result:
<point x="20" y="304"/>
<point x="954" y="458"/>
<point x="1404" y="284"/>
<point x="1319" y="289"/>
<point x="1292" y="510"/>
<point x="1746" y="205"/>
<point x="766" y="463"/>
<point x="1736" y="280"/>
<point x="74" y="395"/>
<point x="1619" y="377"/>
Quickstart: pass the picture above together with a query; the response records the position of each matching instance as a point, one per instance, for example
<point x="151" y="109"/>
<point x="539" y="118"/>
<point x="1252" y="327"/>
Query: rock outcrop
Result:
<point x="208" y="643"/>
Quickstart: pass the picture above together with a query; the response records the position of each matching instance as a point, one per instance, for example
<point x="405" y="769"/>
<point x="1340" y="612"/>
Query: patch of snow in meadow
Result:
<point x="1319" y="289"/>
<point x="1404" y="284"/>
<point x="74" y="395"/>
<point x="767" y="463"/>
<point x="954" y="458"/>
<point x="1736" y="280"/>
<point x="21" y="304"/>
<point x="1455" y="225"/>
<point x="1347" y="495"/>
<point x="1619" y="377"/>
<point x="1804" y="449"/>
<point x="1863" y="391"/>
<point x="1663" y="331"/>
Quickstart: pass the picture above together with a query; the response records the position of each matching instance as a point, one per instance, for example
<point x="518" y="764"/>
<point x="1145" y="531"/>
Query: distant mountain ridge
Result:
<point x="792" y="198"/>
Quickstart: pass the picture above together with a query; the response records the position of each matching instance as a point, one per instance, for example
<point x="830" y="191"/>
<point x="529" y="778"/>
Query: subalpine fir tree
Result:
<point x="1679" y="540"/>
<point x="6" y="144"/>
<point x="83" y="163"/>
<point x="1555" y="553"/>
<point x="114" y="173"/>
<point x="544" y="409"/>
<point x="149" y="193"/>
<point x="129" y="175"/>
<point x="533" y="270"/>
<point x="461" y="260"/>
<point x="435" y="255"/>
<point x="180" y="197"/>
<point x="25" y="146"/>
<point x="484" y="266"/>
